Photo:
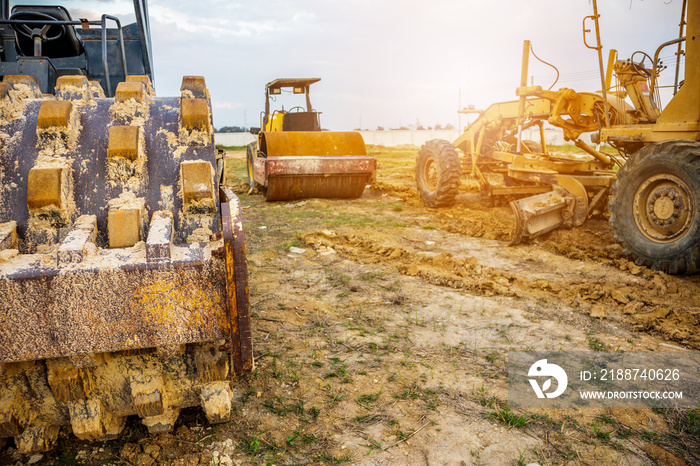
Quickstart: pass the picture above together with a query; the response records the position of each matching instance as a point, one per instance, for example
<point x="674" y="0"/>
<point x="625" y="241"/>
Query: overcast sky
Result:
<point x="387" y="62"/>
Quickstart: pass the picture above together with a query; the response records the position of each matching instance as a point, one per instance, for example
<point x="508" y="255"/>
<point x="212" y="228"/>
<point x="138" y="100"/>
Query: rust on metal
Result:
<point x="237" y="301"/>
<point x="96" y="307"/>
<point x="231" y="304"/>
<point x="196" y="86"/>
<point x="78" y="319"/>
<point x="339" y="177"/>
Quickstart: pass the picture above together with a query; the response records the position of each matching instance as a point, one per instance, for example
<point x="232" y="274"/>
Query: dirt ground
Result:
<point x="381" y="331"/>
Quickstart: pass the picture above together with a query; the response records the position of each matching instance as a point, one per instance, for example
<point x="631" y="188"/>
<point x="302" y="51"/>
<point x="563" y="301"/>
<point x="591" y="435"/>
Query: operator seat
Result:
<point x="67" y="45"/>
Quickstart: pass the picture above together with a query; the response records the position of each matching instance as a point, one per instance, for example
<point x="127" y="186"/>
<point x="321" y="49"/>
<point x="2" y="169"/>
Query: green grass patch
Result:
<point x="508" y="417"/>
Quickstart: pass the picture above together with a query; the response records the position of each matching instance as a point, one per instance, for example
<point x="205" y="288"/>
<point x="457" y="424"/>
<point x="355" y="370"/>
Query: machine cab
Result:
<point x="296" y="118"/>
<point x="45" y="41"/>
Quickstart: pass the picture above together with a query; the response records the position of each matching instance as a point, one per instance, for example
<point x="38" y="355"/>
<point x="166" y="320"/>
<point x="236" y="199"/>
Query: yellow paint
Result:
<point x="44" y="187"/>
<point x="54" y="113"/>
<point x="130" y="90"/>
<point x="274" y="122"/>
<point x="123" y="142"/>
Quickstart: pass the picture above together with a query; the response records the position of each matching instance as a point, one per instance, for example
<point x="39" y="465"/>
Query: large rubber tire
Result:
<point x="252" y="147"/>
<point x="437" y="173"/>
<point x="655" y="207"/>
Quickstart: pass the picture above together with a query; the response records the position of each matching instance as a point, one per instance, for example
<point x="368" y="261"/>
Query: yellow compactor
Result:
<point x="123" y="281"/>
<point x="293" y="158"/>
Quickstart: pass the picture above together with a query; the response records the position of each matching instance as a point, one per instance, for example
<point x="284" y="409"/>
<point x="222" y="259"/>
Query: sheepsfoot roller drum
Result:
<point x="304" y="164"/>
<point x="123" y="278"/>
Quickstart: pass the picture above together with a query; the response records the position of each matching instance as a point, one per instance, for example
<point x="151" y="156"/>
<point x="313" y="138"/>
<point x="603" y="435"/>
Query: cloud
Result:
<point x="211" y="23"/>
<point x="227" y="105"/>
<point x="385" y="61"/>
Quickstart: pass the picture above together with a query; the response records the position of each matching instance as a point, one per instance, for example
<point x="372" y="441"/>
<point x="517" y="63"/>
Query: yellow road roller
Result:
<point x="293" y="158"/>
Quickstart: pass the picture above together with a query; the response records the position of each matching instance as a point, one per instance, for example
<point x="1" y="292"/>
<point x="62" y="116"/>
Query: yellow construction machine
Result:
<point x="651" y="186"/>
<point x="123" y="281"/>
<point x="293" y="158"/>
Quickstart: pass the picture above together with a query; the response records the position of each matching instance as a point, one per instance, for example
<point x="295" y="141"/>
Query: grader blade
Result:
<point x="537" y="215"/>
<point x="566" y="205"/>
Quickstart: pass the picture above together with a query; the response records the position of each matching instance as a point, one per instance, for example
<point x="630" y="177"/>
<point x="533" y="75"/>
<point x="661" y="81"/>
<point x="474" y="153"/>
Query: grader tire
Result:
<point x="437" y="173"/>
<point x="655" y="207"/>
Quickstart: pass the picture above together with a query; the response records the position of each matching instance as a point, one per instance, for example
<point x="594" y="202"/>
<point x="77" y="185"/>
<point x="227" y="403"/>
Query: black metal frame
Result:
<point x="142" y="22"/>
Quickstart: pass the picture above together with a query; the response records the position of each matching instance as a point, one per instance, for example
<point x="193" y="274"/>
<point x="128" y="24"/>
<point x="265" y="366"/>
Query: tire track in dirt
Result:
<point x="645" y="301"/>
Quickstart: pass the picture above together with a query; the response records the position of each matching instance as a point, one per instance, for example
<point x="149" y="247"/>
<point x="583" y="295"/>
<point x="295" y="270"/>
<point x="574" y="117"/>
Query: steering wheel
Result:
<point x="300" y="109"/>
<point x="640" y="68"/>
<point x="30" y="33"/>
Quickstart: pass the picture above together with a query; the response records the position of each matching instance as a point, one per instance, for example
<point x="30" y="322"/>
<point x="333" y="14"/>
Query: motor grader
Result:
<point x="123" y="280"/>
<point x="293" y="158"/>
<point x="654" y="197"/>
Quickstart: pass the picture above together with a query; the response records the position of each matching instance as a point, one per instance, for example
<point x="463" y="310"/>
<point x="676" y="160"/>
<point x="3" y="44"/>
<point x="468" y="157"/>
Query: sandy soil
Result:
<point x="382" y="329"/>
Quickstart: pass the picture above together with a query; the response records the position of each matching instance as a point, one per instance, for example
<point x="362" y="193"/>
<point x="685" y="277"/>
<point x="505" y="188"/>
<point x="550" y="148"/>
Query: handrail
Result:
<point x="655" y="68"/>
<point x="102" y="23"/>
<point x="105" y="64"/>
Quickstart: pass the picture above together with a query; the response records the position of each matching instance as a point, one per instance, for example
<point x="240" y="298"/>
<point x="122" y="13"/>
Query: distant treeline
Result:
<point x="232" y="129"/>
